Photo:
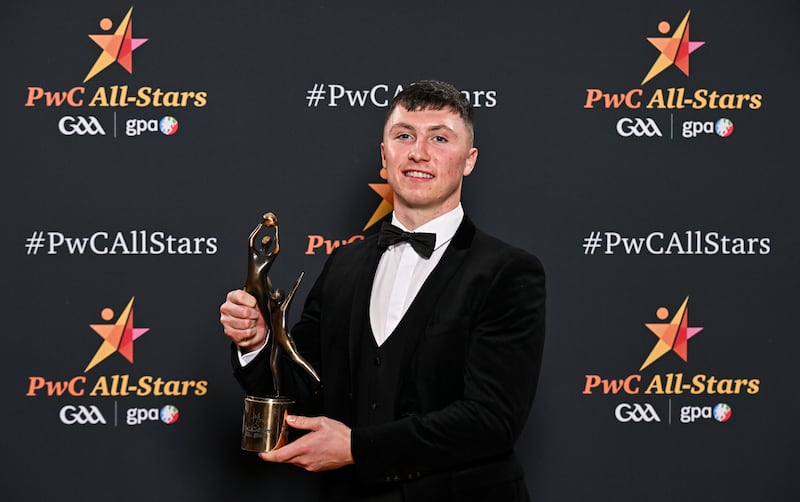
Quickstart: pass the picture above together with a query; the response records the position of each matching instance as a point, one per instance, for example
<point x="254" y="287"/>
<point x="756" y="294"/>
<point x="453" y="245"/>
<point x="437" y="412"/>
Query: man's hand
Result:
<point x="326" y="447"/>
<point x="242" y="321"/>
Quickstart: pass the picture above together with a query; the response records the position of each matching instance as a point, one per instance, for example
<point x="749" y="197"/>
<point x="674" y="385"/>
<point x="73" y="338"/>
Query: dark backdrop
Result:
<point x="286" y="116"/>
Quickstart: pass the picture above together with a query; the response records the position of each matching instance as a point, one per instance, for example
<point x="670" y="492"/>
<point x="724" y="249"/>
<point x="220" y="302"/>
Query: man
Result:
<point x="428" y="363"/>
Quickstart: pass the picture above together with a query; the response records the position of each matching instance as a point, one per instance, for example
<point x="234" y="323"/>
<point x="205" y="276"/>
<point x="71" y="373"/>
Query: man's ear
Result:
<point x="472" y="158"/>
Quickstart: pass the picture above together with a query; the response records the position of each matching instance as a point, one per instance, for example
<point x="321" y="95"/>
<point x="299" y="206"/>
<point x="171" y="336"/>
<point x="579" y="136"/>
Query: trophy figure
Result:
<point x="264" y="424"/>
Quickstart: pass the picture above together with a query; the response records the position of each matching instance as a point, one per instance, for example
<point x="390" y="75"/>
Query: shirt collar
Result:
<point x="444" y="226"/>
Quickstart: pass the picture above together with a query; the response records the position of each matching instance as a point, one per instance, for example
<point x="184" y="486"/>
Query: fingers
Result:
<point x="326" y="447"/>
<point x="242" y="321"/>
<point x="304" y="423"/>
<point x="287" y="454"/>
<point x="241" y="297"/>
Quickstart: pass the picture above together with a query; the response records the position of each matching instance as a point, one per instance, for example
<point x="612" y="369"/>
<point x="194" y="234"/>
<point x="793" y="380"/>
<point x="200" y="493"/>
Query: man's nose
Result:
<point x="419" y="151"/>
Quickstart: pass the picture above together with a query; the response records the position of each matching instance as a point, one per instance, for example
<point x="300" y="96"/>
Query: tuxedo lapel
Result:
<point x="359" y="312"/>
<point x="427" y="298"/>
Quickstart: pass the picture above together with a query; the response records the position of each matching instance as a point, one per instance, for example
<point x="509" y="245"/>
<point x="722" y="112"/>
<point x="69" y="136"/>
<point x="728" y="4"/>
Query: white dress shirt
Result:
<point x="401" y="273"/>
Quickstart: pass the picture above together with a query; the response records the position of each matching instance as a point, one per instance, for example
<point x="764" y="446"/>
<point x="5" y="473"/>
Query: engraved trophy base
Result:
<point x="264" y="423"/>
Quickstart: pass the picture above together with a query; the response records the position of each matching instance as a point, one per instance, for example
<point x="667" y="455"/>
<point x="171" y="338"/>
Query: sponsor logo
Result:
<point x="69" y="125"/>
<point x="627" y="127"/>
<point x="117" y="337"/>
<point x="723" y="127"/>
<point x="115" y="96"/>
<point x="115" y="386"/>
<point x="676" y="48"/>
<point x="672" y="98"/>
<point x="117" y="45"/>
<point x="167" y="126"/>
<point x="674" y="333"/>
<point x="721" y="412"/>
<point x="626" y="412"/>
<point x="81" y="415"/>
<point x="169" y="414"/>
<point x="137" y="416"/>
<point x="693" y="128"/>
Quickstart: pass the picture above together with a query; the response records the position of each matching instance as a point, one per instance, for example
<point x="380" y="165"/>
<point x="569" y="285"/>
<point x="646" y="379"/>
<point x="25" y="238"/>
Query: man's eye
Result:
<point x="403" y="135"/>
<point x="440" y="139"/>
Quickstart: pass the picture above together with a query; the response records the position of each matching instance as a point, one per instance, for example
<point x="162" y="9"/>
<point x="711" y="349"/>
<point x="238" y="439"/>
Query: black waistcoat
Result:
<point x="380" y="372"/>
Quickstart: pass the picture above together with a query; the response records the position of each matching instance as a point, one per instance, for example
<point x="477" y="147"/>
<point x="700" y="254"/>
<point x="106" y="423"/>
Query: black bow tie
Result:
<point x="422" y="242"/>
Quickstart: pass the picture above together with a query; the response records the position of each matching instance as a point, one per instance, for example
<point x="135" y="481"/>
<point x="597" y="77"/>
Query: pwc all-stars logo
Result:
<point x="674" y="49"/>
<point x="673" y="336"/>
<point x="116" y="47"/>
<point x="677" y="53"/>
<point x="118" y="336"/>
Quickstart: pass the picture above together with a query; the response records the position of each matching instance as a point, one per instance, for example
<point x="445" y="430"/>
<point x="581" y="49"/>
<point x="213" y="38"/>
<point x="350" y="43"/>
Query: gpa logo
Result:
<point x="721" y="412"/>
<point x="722" y="128"/>
<point x="136" y="416"/>
<point x="168" y="126"/>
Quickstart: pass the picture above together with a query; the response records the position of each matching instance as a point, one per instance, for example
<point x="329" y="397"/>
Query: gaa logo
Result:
<point x="627" y="127"/>
<point x="69" y="125"/>
<point x="626" y="412"/>
<point x="81" y="415"/>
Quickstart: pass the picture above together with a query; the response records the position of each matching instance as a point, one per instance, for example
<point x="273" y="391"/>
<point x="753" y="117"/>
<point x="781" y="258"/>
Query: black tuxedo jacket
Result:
<point x="478" y="323"/>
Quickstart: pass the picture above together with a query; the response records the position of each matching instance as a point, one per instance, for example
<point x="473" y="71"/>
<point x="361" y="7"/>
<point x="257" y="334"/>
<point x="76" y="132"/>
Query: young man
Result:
<point x="428" y="359"/>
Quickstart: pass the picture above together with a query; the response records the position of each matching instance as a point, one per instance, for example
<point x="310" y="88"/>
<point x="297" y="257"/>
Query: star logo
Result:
<point x="118" y="337"/>
<point x="675" y="49"/>
<point x="673" y="335"/>
<point x="118" y="47"/>
<point x="386" y="205"/>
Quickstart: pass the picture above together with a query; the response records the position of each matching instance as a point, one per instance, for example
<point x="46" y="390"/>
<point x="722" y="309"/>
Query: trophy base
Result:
<point x="264" y="423"/>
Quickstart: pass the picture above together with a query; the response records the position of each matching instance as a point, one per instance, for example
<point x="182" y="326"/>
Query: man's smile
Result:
<point x="418" y="174"/>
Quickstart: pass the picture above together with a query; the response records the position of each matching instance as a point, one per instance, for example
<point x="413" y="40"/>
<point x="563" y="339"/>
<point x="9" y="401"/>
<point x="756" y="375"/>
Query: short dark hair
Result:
<point x="434" y="95"/>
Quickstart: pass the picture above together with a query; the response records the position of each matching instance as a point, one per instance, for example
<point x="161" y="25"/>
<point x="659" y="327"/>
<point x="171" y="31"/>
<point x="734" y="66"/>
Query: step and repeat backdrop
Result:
<point x="645" y="151"/>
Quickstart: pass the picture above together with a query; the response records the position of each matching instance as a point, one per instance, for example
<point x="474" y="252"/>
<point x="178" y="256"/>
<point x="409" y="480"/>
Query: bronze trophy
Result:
<point x="264" y="423"/>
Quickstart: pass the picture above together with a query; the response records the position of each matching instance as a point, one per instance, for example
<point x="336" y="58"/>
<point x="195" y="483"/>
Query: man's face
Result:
<point x="426" y="154"/>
